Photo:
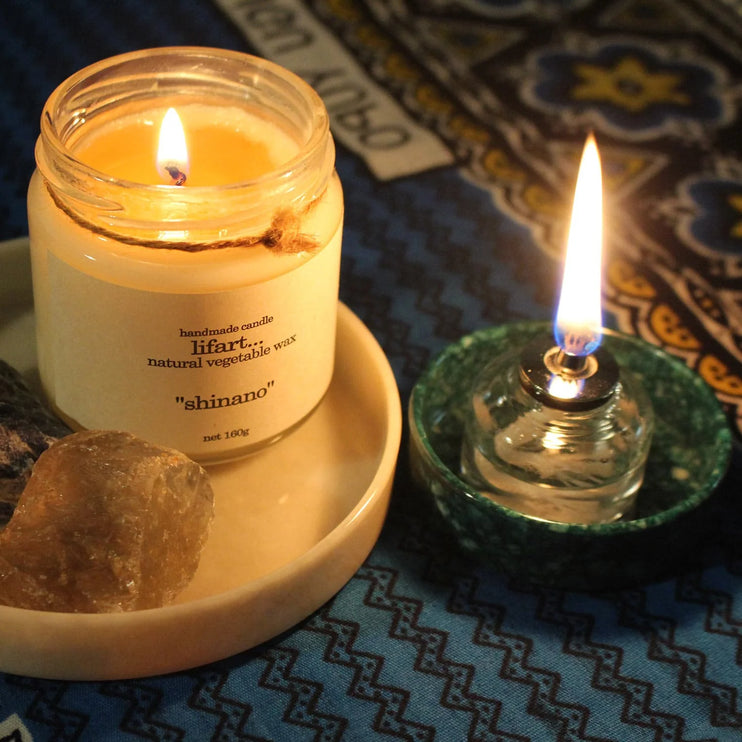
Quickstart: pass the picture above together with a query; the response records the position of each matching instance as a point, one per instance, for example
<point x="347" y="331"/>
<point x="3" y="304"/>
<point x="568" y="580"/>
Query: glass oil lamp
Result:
<point x="555" y="429"/>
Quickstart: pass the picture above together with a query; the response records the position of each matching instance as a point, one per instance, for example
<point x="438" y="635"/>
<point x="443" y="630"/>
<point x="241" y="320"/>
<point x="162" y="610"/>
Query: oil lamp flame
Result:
<point x="577" y="328"/>
<point x="565" y="388"/>
<point x="172" y="152"/>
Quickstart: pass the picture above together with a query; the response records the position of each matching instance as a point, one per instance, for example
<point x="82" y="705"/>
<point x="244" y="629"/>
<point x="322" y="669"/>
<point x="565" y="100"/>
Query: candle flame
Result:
<point x="172" y="152"/>
<point x="577" y="328"/>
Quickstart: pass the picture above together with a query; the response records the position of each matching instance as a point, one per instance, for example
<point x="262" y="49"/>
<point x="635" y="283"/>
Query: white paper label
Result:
<point x="207" y="374"/>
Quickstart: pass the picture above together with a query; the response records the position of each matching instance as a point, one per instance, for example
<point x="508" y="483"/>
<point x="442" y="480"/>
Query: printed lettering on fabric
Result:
<point x="364" y="116"/>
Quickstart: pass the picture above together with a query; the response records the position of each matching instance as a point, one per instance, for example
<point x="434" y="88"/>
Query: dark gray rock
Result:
<point x="27" y="428"/>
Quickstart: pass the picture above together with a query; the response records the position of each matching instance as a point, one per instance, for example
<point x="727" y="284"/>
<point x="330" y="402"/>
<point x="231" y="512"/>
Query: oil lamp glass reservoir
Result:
<point x="571" y="459"/>
<point x="555" y="429"/>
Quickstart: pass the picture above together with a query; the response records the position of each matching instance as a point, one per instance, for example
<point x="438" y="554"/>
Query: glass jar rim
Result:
<point x="148" y="79"/>
<point x="56" y="141"/>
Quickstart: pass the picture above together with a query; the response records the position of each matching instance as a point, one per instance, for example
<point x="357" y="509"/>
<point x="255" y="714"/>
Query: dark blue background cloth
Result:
<point x="424" y="643"/>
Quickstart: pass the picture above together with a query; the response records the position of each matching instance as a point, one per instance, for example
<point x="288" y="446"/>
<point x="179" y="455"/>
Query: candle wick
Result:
<point x="178" y="176"/>
<point x="572" y="364"/>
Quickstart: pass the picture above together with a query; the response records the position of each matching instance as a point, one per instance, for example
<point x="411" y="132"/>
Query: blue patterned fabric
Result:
<point x="424" y="644"/>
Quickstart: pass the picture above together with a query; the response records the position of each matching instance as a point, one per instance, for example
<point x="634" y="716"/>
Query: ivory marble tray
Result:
<point x="293" y="523"/>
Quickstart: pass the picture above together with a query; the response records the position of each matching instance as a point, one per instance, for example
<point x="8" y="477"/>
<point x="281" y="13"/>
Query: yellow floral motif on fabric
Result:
<point x="345" y="9"/>
<point x="628" y="84"/>
<point x="430" y="98"/>
<point x="717" y="375"/>
<point x="624" y="276"/>
<point x="468" y="128"/>
<point x="501" y="167"/>
<point x="708" y="304"/>
<point x="399" y="67"/>
<point x="622" y="168"/>
<point x="735" y="201"/>
<point x="543" y="201"/>
<point x="669" y="328"/>
<point x="371" y="36"/>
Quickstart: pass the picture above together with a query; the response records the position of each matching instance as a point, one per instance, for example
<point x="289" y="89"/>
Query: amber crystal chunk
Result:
<point x="107" y="522"/>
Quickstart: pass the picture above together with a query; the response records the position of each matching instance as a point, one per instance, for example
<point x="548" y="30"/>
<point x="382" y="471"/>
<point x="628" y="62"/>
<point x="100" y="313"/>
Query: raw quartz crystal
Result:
<point x="107" y="522"/>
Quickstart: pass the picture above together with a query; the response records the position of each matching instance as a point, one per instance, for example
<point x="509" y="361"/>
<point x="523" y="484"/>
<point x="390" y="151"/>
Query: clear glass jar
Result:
<point x="198" y="316"/>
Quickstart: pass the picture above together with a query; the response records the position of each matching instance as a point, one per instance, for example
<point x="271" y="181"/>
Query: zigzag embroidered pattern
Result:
<point x="304" y="694"/>
<point x="231" y="713"/>
<point x="570" y="720"/>
<point x="431" y="656"/>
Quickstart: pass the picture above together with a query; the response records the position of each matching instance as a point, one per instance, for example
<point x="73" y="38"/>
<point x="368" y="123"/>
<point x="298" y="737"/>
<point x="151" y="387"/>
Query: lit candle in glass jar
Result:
<point x="196" y="312"/>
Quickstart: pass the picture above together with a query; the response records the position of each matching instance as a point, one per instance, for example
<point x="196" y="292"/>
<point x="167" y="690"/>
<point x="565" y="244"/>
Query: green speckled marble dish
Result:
<point x="690" y="452"/>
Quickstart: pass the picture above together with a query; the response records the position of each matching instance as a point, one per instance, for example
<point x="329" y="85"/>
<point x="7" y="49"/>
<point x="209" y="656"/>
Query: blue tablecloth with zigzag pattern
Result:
<point x="458" y="125"/>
